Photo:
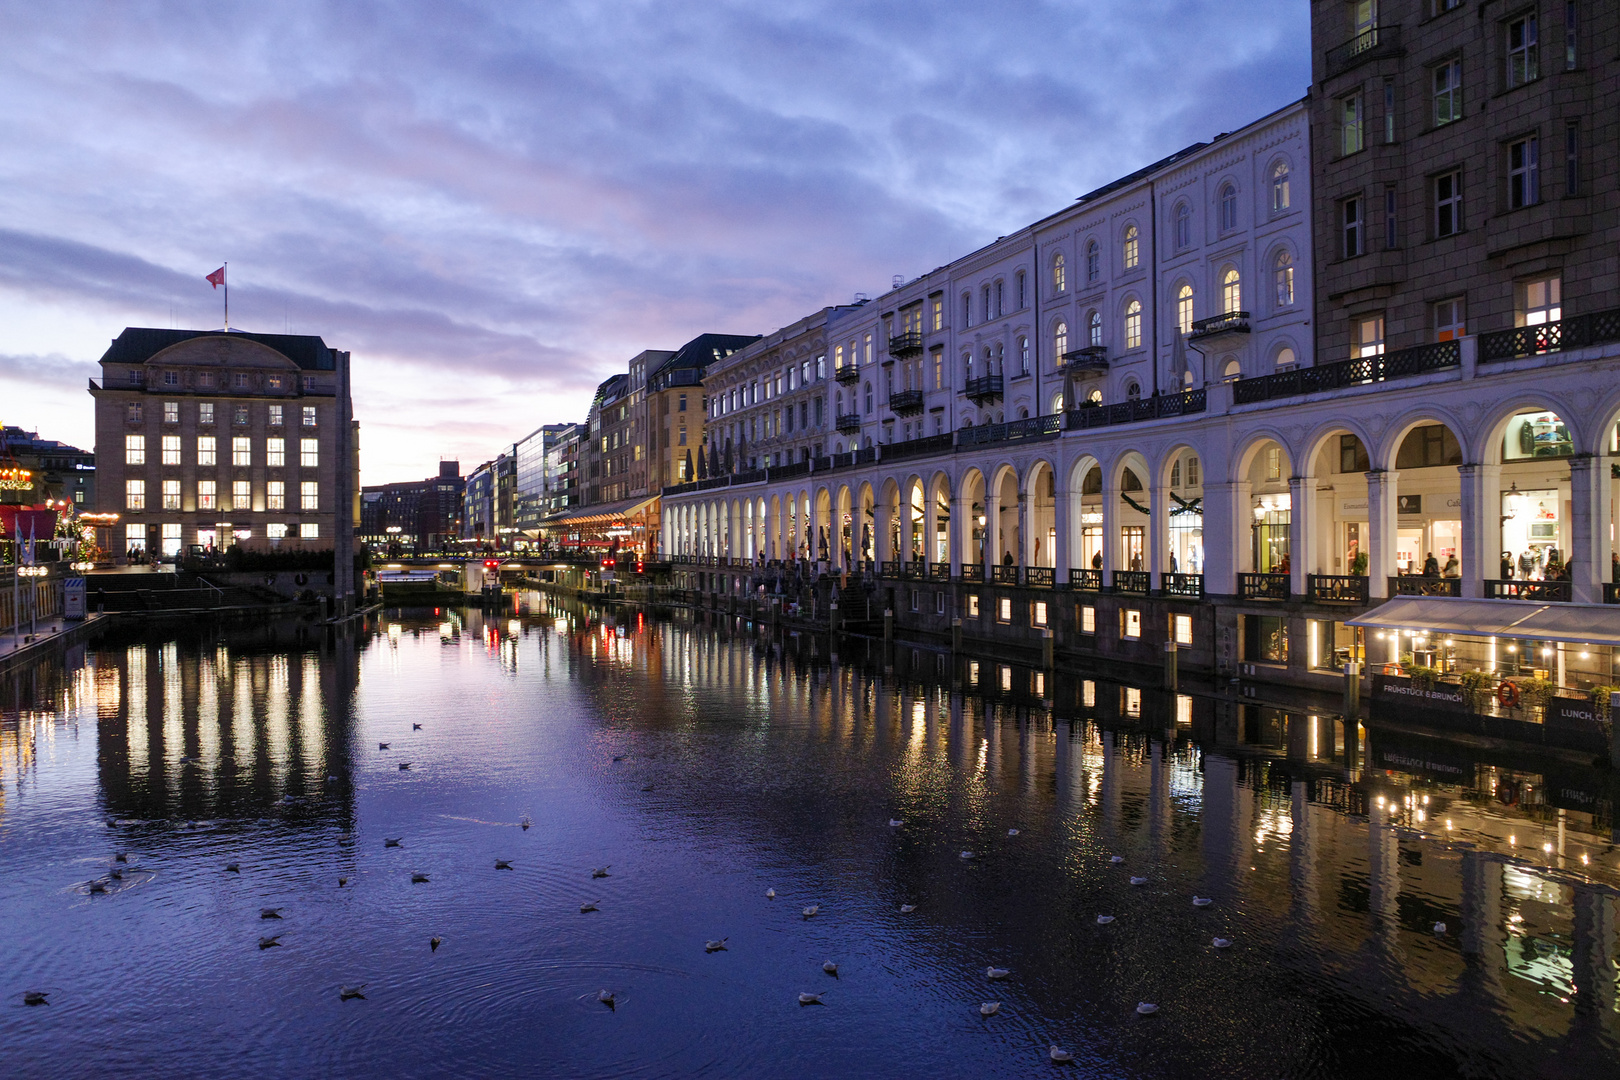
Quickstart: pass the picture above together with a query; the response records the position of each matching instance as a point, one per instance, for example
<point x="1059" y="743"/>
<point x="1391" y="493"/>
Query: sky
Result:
<point x="494" y="206"/>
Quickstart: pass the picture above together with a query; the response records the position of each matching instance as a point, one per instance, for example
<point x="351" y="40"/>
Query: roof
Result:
<point x="600" y="512"/>
<point x="138" y="344"/>
<point x="1576" y="624"/>
<point x="706" y="349"/>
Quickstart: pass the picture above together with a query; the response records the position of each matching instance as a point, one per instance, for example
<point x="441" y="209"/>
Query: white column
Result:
<point x="1301" y="531"/>
<point x="1588" y="527"/>
<point x="930" y="526"/>
<point x="1158" y="532"/>
<point x="1226" y="535"/>
<point x="992" y="529"/>
<point x="1381" y="519"/>
<point x="1481" y="526"/>
<point x="961" y="533"/>
<point x="1061" y="559"/>
<point x="1110" y="530"/>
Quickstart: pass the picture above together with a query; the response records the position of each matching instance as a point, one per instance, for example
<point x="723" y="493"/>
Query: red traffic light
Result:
<point x="492" y="564"/>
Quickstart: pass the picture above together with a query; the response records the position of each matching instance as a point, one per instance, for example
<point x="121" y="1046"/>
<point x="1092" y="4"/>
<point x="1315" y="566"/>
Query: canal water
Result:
<point x="1394" y="907"/>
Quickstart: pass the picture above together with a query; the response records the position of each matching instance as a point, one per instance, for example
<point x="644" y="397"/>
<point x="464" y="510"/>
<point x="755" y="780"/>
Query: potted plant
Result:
<point x="1534" y="693"/>
<point x="1358" y="565"/>
<point x="1423" y="677"/>
<point x="1476" y="687"/>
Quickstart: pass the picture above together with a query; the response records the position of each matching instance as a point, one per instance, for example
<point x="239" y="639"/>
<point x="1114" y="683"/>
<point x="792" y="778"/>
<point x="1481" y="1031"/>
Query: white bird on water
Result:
<point x="1202" y="901"/>
<point x="1222" y="943"/>
<point x="1439" y="927"/>
<point x="1138" y="881"/>
<point x="811" y="999"/>
<point x="716" y="946"/>
<point x="1012" y="832"/>
<point x="990" y="1008"/>
<point x="1144" y="1008"/>
<point x="607" y="998"/>
<point x="347" y="992"/>
<point x="895" y="823"/>
<point x="1060" y="1057"/>
<point x="996" y="973"/>
<point x="770" y="894"/>
<point x="1104" y="920"/>
<point x="588" y="907"/>
<point x="811" y="910"/>
<point x="600" y="871"/>
<point x="1117" y="859"/>
<point x="965" y="855"/>
<point x="907" y="909"/>
<point x="830" y="968"/>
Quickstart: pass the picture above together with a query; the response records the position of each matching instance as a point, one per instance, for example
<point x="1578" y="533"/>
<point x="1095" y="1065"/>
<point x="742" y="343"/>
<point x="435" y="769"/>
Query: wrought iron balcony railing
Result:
<point x="904" y="345"/>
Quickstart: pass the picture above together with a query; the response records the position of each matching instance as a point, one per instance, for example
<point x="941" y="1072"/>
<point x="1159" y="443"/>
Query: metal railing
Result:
<point x="792" y="468"/>
<point x="1262" y="586"/>
<point x="1040" y="577"/>
<point x="914" y="570"/>
<point x="848" y="422"/>
<point x="972" y="571"/>
<point x="940" y="571"/>
<point x="1575" y="332"/>
<point x="1357" y="372"/>
<point x="906" y="401"/>
<point x="1502" y="589"/>
<point x="1232" y="322"/>
<point x="1002" y="574"/>
<point x="902" y="345"/>
<point x="1134" y="582"/>
<point x="1090" y="358"/>
<point x="1336" y="588"/>
<point x="1189" y="585"/>
<point x="1033" y="427"/>
<point x="1368" y="45"/>
<point x="890" y="568"/>
<point x="983" y="388"/>
<point x="848" y="373"/>
<point x="1085" y="580"/>
<point x="928" y="444"/>
<point x="1130" y="412"/>
<point x="1416" y="585"/>
<point x="1611" y="592"/>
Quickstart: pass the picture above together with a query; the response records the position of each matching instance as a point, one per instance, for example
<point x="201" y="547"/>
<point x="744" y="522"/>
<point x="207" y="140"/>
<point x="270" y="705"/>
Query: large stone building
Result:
<point x="57" y="472"/>
<point x="414" y="517"/>
<point x="1465" y="157"/>
<point x="676" y="406"/>
<point x="213" y="438"/>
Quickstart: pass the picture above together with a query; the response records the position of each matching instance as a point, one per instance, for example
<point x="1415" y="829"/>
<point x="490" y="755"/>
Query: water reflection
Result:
<point x="711" y="760"/>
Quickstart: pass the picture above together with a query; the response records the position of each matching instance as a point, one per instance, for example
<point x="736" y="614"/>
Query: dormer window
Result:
<point x="171" y="378"/>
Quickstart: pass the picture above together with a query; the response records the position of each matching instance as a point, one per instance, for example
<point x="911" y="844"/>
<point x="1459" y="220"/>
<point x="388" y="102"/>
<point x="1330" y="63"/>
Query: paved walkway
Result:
<point x="46" y="631"/>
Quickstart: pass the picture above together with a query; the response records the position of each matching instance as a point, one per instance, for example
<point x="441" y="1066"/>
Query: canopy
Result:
<point x="1584" y="624"/>
<point x="586" y="515"/>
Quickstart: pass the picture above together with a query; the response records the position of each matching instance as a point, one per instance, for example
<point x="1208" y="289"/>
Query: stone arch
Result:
<point x="940" y="549"/>
<point x="1040" y="533"/>
<point x="970" y="531"/>
<point x="1177" y="534"/>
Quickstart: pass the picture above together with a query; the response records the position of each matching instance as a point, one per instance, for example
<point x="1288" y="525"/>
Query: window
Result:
<point x="134" y="449"/>
<point x="1353" y="455"/>
<point x="1285" y="359"/>
<point x="1524" y="172"/>
<point x="1539" y="302"/>
<point x="1183" y="231"/>
<point x="171" y="494"/>
<point x="241" y="495"/>
<point x="1390" y="220"/>
<point x="1094" y="334"/>
<point x="1448" y="92"/>
<point x="1093" y="261"/>
<point x="967" y="312"/>
<point x="936" y="313"/>
<point x="309" y="531"/>
<point x="239" y="416"/>
<point x="1351" y="133"/>
<point x="242" y="451"/>
<point x="1350" y="216"/>
<point x="1181" y="629"/>
<point x="1088" y="619"/>
<point x="972" y="606"/>
<point x="1021" y="292"/>
<point x="171" y="378"/>
<point x="1184" y="308"/>
<point x="132" y="412"/>
<point x="1523" y="64"/>
<point x="1280" y="198"/>
<point x="1192" y="472"/>
<point x="135" y="537"/>
<point x="171" y="449"/>
<point x="171" y="412"/>
<point x="205" y="412"/>
<point x="275" y="382"/>
<point x="1037" y="613"/>
<point x="275" y="495"/>
<point x="1060" y="341"/>
<point x="868" y="399"/>
<point x="137" y="378"/>
<point x="1228" y="208"/>
<point x="309" y="452"/>
<point x="309" y="410"/>
<point x="275" y="416"/>
<point x="1389" y="110"/>
<point x="1232" y="371"/>
<point x="207" y="496"/>
<point x="276" y="530"/>
<point x="1059" y="273"/>
<point x="1023" y="354"/>
<point x="1282" y="269"/>
<point x="1448" y="319"/>
<point x="1132" y="390"/>
<point x="1130" y="623"/>
<point x="1133" y="324"/>
<point x="134" y="494"/>
<point x="239" y="380"/>
<point x="1572" y="158"/>
<point x="1231" y="291"/>
<point x="206" y="453"/>
<point x="1132" y="248"/>
<point x="1004" y="609"/>
<point x="1000" y="306"/>
<point x="205" y="379"/>
<point x="1369" y="337"/>
<point x="1448" y="204"/>
<point x="309" y="495"/>
<point x="984" y="305"/>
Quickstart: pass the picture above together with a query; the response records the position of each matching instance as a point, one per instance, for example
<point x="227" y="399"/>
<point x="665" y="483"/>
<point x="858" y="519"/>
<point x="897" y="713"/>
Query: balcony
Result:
<point x="1085" y="580"/>
<point x="1220" y="329"/>
<point x="1187" y="585"/>
<point x="848" y="373"/>
<point x="1611" y="593"/>
<point x="939" y="571"/>
<point x="972" y="571"/>
<point x="1370" y="44"/>
<point x="849" y="422"/>
<point x="1414" y="585"/>
<point x="1575" y="332"/>
<point x="1133" y="582"/>
<point x="1128" y="412"/>
<point x="1358" y="372"/>
<point x="1262" y="586"/>
<point x="1040" y="577"/>
<point x="1090" y="358"/>
<point x="906" y="402"/>
<point x="984" y="388"/>
<point x="1558" y="591"/>
<point x="1031" y="427"/>
<point x="1336" y="588"/>
<point x="904" y="345"/>
<point x="923" y="447"/>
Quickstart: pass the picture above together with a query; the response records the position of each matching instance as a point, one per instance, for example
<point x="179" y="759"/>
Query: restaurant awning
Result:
<point x="587" y="515"/>
<point x="1584" y="624"/>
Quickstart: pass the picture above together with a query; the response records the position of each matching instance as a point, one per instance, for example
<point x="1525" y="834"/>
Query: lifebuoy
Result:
<point x="1508" y="694"/>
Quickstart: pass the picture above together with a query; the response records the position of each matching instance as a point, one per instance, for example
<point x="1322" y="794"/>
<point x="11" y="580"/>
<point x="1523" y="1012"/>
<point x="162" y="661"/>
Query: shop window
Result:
<point x="1265" y="639"/>
<point x="1536" y="435"/>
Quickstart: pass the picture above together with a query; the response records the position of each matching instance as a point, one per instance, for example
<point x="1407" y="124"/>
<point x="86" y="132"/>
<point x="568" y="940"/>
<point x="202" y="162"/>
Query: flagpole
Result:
<point x="225" y="278"/>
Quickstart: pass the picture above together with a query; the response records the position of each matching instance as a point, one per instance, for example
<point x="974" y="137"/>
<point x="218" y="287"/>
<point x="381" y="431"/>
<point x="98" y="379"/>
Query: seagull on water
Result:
<point x="1439" y="927"/>
<point x="392" y="841"/>
<point x="1104" y="920"/>
<point x="525" y="822"/>
<point x="433" y="944"/>
<point x="587" y="907"/>
<point x="600" y="871"/>
<point x="770" y="894"/>
<point x="830" y="968"/>
<point x="1222" y="943"/>
<point x="1138" y="881"/>
<point x="416" y="727"/>
<point x="270" y="942"/>
<point x="1144" y="1008"/>
<point x="502" y="864"/>
<point x="233" y="868"/>
<point x="404" y="765"/>
<point x="347" y="992"/>
<point x="895" y="823"/>
<point x="907" y="909"/>
<point x="607" y="998"/>
<point x="990" y="1008"/>
<point x="342" y="881"/>
<point x="419" y="879"/>
<point x="98" y="886"/>
<point x="269" y="913"/>
<point x="116" y="874"/>
<point x="811" y="999"/>
<point x="382" y="746"/>
<point x="1202" y="901"/>
<point x="35" y="997"/>
<point x="1117" y="859"/>
<point x="1060" y="1057"/>
<point x="965" y="855"/>
<point x="811" y="910"/>
<point x="996" y="973"/>
<point x="1012" y="832"/>
<point x="716" y="946"/>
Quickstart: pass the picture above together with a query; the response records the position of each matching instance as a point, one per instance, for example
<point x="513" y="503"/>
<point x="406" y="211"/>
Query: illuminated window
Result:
<point x="1283" y="277"/>
<point x="309" y="531"/>
<point x="309" y="416"/>
<point x="275" y="495"/>
<point x="973" y="605"/>
<point x="135" y="495"/>
<point x="241" y="495"/>
<point x="1088" y="619"/>
<point x="134" y="449"/>
<point x="1280" y="199"/>
<point x="1004" y="609"/>
<point x="1059" y="273"/>
<point x="1037" y="616"/>
<point x="275" y="416"/>
<point x="1130" y="623"/>
<point x="275" y="453"/>
<point x="276" y="530"/>
<point x="309" y="453"/>
<point x="1231" y="291"/>
<point x="171" y="494"/>
<point x="1184" y="309"/>
<point x="171" y="412"/>
<point x="205" y="412"/>
<point x="207" y="495"/>
<point x="1181" y="629"/>
<point x="1539" y="301"/>
<point x="309" y="495"/>
<point x="1060" y="342"/>
<point x="1133" y="325"/>
<point x="1132" y="248"/>
<point x="171" y="449"/>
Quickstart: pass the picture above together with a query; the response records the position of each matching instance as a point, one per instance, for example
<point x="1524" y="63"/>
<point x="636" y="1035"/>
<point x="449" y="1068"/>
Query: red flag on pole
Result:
<point x="217" y="278"/>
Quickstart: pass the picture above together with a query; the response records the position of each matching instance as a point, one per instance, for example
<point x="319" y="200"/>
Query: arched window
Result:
<point x="1132" y="248"/>
<point x="1279" y="187"/>
<point x="1093" y="261"/>
<point x="989" y="312"/>
<point x="1023" y="355"/>
<point x="1286" y="358"/>
<point x="1094" y="329"/>
<point x="1001" y="353"/>
<point x="1232" y="370"/>
<point x="1184" y="308"/>
<point x="868" y="399"/>
<point x="1057" y="404"/>
<point x="967" y="366"/>
<point x="1023" y="414"/>
<point x="1283" y="269"/>
<point x="1095" y="396"/>
<point x="1183" y="226"/>
<point x="1228" y="208"/>
<point x="1060" y="340"/>
<point x="1132" y="390"/>
<point x="1021" y="291"/>
<point x="967" y="309"/>
<point x="1059" y="275"/>
<point x="1231" y="291"/>
<point x="1133" y="324"/>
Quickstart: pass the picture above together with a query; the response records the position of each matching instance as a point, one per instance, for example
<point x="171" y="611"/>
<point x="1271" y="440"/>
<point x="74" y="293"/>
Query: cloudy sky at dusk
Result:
<point x="495" y="205"/>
